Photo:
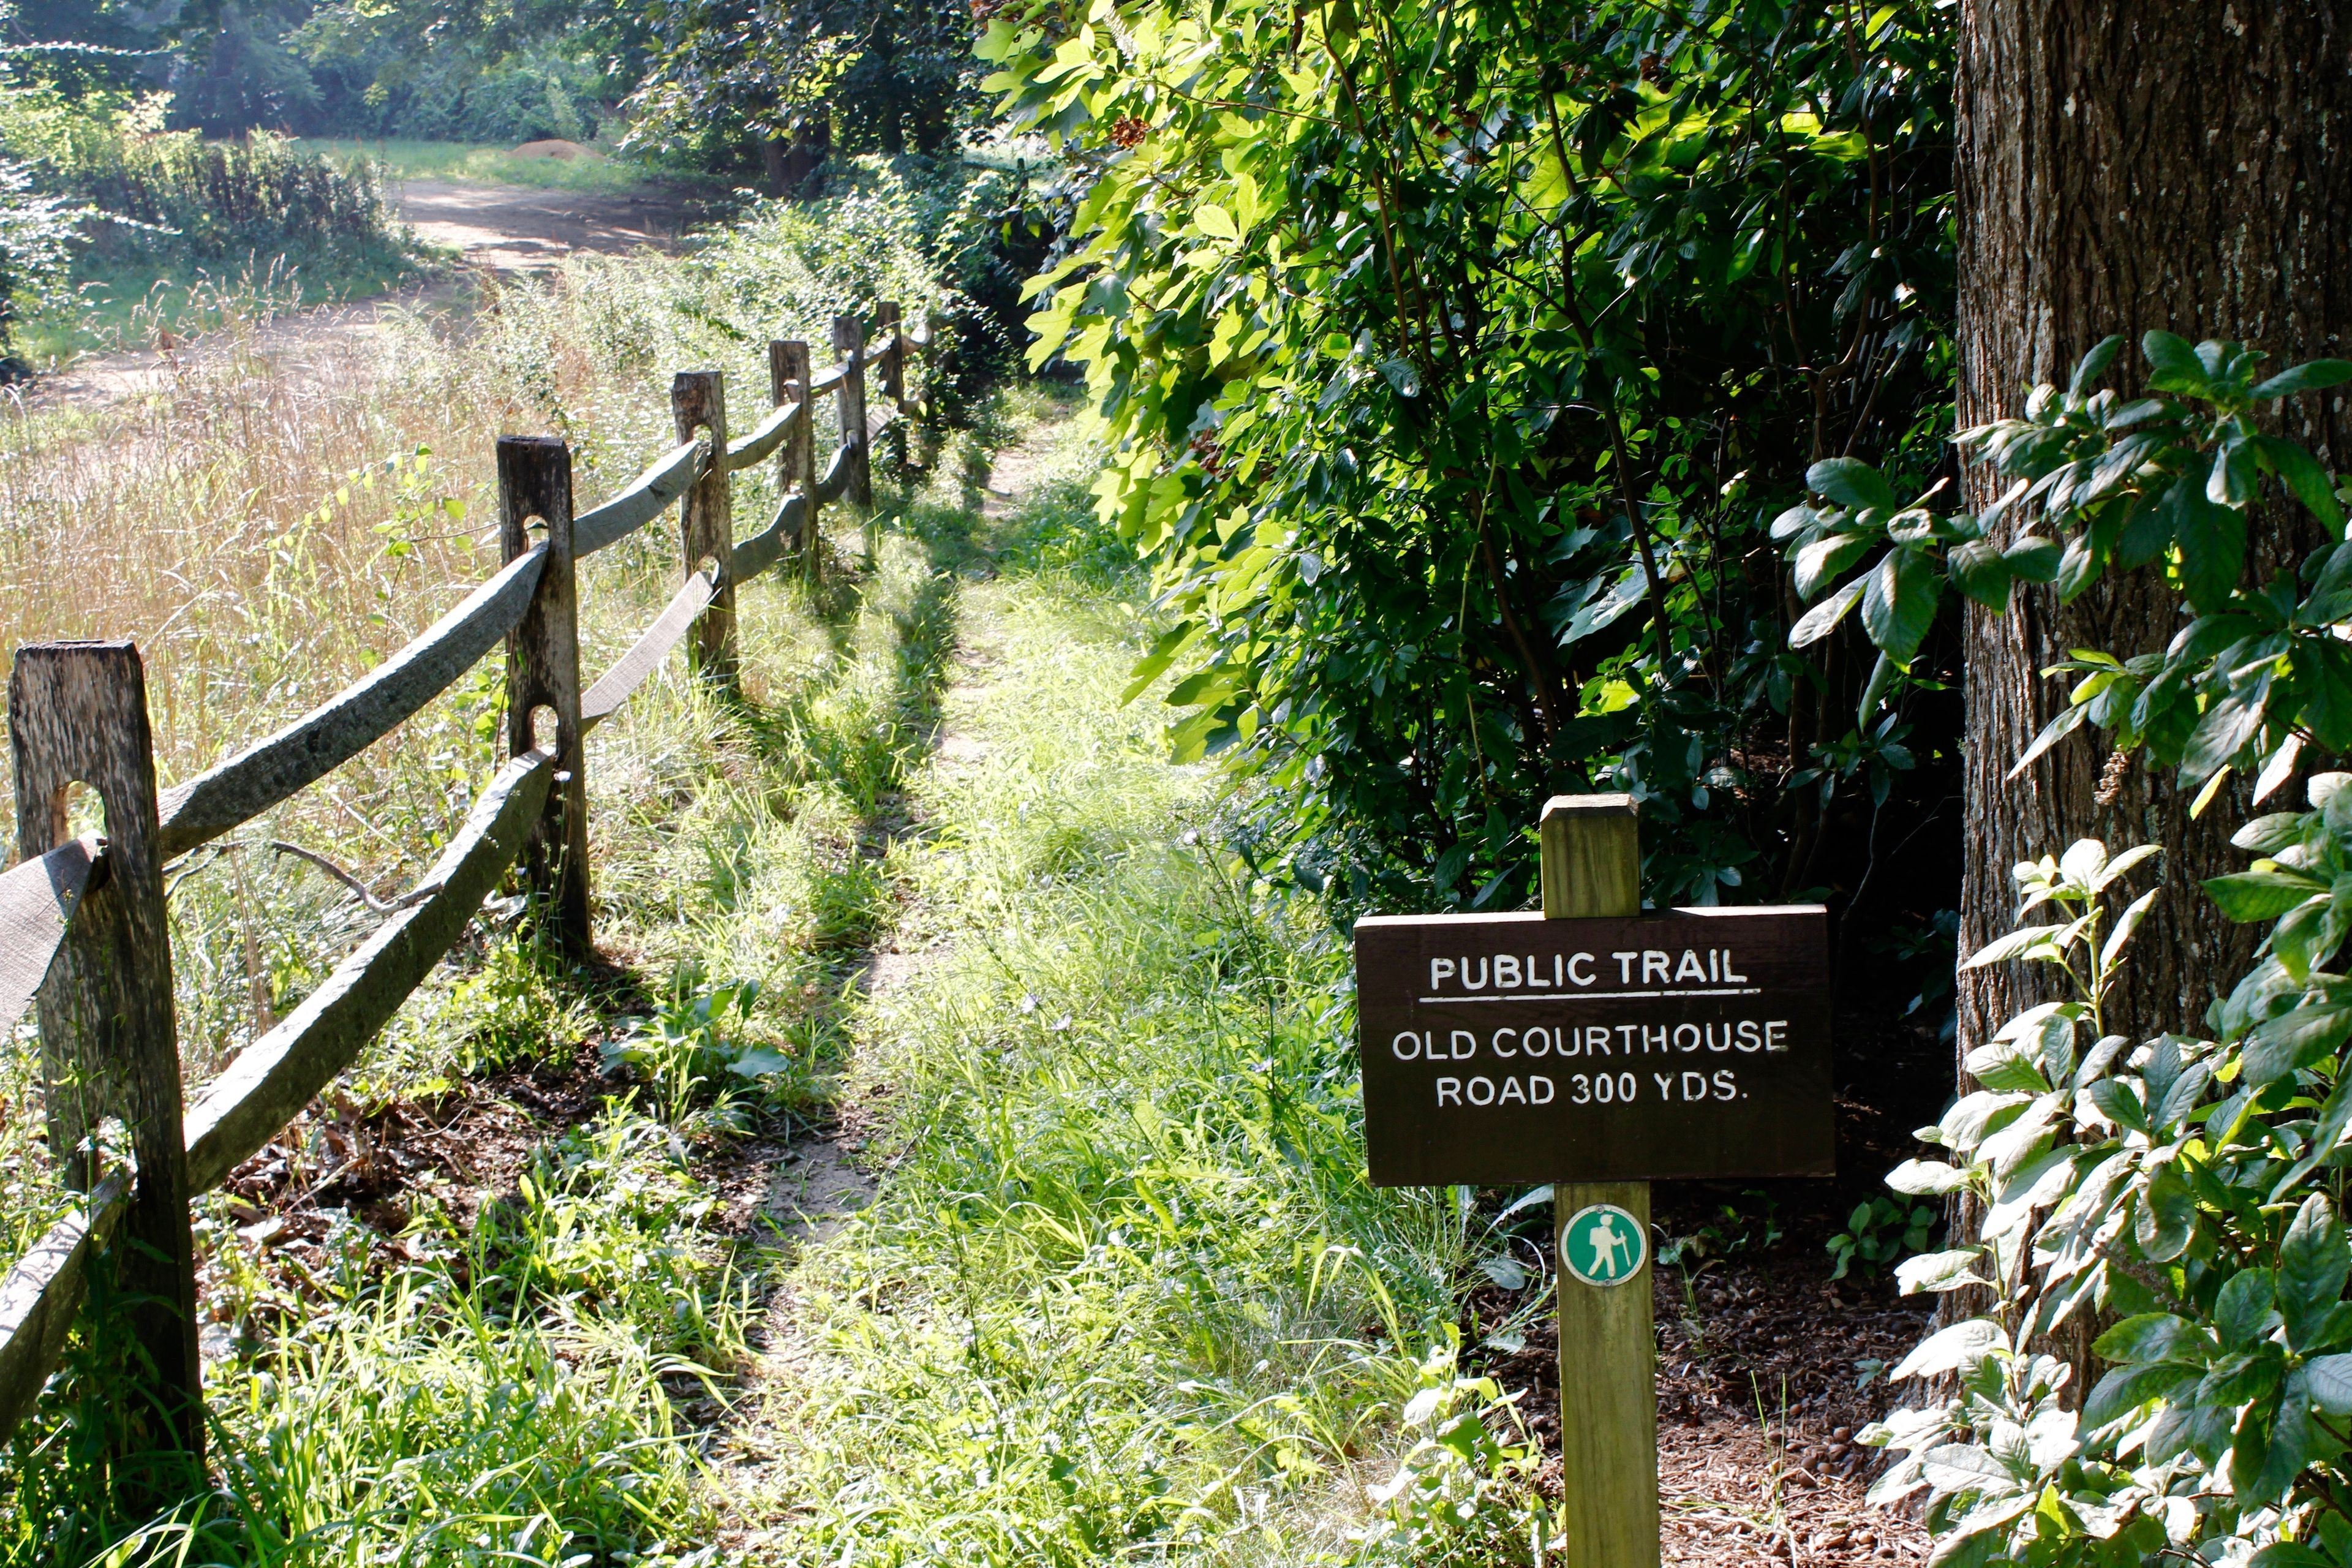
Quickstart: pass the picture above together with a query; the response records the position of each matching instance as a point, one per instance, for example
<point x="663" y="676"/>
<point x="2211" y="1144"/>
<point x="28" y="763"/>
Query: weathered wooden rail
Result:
<point x="83" y="928"/>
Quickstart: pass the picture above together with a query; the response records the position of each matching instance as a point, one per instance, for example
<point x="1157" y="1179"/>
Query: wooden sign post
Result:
<point x="1596" y="1048"/>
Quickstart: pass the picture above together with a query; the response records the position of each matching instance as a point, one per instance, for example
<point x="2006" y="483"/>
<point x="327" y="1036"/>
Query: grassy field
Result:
<point x="128" y="306"/>
<point x="410" y="160"/>
<point x="515" y="1291"/>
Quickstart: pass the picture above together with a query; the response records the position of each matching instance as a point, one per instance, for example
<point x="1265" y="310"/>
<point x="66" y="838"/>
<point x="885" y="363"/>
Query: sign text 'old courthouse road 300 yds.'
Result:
<point x="1552" y="1049"/>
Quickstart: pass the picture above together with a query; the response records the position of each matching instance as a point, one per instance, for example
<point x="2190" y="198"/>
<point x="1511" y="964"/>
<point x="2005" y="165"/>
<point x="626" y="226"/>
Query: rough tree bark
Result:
<point x="2126" y="165"/>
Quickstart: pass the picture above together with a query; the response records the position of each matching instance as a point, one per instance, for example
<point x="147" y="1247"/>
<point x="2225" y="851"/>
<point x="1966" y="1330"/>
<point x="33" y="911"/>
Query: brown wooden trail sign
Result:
<point x="1597" y="1048"/>
<point x="1515" y="1049"/>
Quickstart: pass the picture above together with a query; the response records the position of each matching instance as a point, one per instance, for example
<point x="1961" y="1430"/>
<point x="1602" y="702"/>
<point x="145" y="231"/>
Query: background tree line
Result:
<point x="740" y="87"/>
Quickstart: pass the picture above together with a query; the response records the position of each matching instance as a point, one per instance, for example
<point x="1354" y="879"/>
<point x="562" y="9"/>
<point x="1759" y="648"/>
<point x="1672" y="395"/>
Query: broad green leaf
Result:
<point x="2313" y="484"/>
<point x="2334" y="1116"/>
<point x="2127" y="1388"/>
<point x="2002" y="948"/>
<point x="1874" y="690"/>
<point x="1822" y="619"/>
<point x="2309" y="376"/>
<point x="2219" y="737"/>
<point x="2079" y="566"/>
<point x="2292" y="1041"/>
<point x="1950" y="1348"/>
<point x="2269" y="834"/>
<point x="2212" y="540"/>
<point x="2118" y="1102"/>
<point x="2122" y="863"/>
<point x="1959" y="1468"/>
<point x="1996" y="1066"/>
<point x="1979" y="570"/>
<point x="1819" y="563"/>
<point x="758" y="1062"/>
<point x="2183" y="1096"/>
<point x="1935" y="1272"/>
<point x="1927" y="1178"/>
<point x="2331" y="1383"/>
<point x="2094" y="365"/>
<point x="2035" y="558"/>
<point x="2154" y="1337"/>
<point x="2243" y="1312"/>
<point x="2230" y="480"/>
<point x="1215" y="221"/>
<point x="1849" y="481"/>
<point x="2286" y="1446"/>
<point x="2068" y="720"/>
<point x="1628" y="591"/>
<point x="2166" y="1216"/>
<point x="2261" y="895"/>
<point x="2176" y="365"/>
<point x="1899" y="604"/>
<point x="2314" y="1261"/>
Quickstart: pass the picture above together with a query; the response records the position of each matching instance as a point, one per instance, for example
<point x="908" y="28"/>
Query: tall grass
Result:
<point x="159" y="209"/>
<point x="1123" y="1293"/>
<point x="502" y="1382"/>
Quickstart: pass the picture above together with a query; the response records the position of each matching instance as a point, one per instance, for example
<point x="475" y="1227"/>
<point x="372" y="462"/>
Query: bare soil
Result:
<point x="515" y="229"/>
<point x="1765" y="1364"/>
<point x="493" y="229"/>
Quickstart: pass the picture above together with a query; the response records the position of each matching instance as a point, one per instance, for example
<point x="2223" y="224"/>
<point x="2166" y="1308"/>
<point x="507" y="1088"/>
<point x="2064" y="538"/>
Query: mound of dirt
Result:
<point x="556" y="147"/>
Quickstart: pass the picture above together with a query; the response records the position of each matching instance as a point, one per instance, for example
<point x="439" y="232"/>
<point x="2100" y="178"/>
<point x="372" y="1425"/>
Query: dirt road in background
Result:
<point x="503" y="229"/>
<point x="512" y="228"/>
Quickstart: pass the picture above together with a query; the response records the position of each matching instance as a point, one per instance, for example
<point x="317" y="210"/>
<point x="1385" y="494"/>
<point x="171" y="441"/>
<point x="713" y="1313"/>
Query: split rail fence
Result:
<point x="83" y="931"/>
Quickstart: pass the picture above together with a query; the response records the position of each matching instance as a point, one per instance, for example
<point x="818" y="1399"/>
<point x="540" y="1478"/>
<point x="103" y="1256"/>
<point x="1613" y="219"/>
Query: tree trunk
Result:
<point x="811" y="139"/>
<point x="2123" y="166"/>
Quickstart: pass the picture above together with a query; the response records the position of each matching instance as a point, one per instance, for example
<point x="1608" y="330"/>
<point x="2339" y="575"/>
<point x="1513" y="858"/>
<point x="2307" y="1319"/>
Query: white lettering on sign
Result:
<point x="1504" y="976"/>
<point x="1746" y="1036"/>
<point x="1590" y="1089"/>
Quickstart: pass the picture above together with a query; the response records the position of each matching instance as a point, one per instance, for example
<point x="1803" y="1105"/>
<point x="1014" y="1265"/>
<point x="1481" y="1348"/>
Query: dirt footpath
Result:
<point x="492" y="228"/>
<point x="513" y="228"/>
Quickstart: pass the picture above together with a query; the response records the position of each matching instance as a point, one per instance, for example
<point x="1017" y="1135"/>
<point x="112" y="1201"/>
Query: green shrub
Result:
<point x="147" y="197"/>
<point x="2192" y="1188"/>
<point x="1878" y="1233"/>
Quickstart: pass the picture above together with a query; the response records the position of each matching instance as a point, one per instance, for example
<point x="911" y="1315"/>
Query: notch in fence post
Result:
<point x="543" y="675"/>
<point x="787" y="379"/>
<point x="849" y="343"/>
<point x="110" y="1039"/>
<point x="1607" y="1351"/>
<point x="706" y="518"/>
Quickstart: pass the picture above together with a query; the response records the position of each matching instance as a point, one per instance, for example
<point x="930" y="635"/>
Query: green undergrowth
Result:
<point x="399" y="158"/>
<point x="524" y="1368"/>
<point x="1125" y="1293"/>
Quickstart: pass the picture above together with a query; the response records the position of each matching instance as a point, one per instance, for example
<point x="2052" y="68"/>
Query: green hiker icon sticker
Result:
<point x="1603" y="1244"/>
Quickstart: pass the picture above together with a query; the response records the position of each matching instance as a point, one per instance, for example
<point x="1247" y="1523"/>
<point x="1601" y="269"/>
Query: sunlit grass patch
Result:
<point x="402" y="158"/>
<point x="1124" y="1290"/>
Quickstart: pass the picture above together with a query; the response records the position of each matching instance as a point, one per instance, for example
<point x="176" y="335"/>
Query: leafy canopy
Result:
<point x="1455" y="356"/>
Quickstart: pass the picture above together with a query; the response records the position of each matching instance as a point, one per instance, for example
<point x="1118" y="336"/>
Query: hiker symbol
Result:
<point x="1603" y="1244"/>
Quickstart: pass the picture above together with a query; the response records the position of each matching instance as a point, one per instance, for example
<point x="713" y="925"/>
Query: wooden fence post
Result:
<point x="892" y="362"/>
<point x="788" y="378"/>
<point x="109" y="1044"/>
<point x="543" y="674"/>
<point x="706" y="518"/>
<point x="1591" y="865"/>
<point x="849" y="343"/>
